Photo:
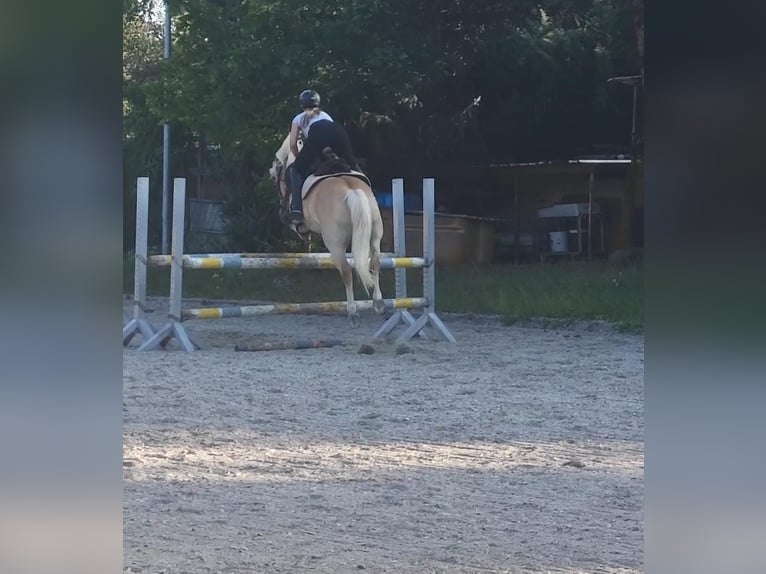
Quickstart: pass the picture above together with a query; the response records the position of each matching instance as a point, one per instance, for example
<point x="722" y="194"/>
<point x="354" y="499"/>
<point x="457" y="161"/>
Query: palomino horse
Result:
<point x="342" y="209"/>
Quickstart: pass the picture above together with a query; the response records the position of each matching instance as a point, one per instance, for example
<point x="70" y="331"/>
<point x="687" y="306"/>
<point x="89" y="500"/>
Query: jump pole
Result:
<point x="291" y="262"/>
<point x="165" y="260"/>
<point x="323" y="308"/>
<point x="139" y="324"/>
<point x="173" y="327"/>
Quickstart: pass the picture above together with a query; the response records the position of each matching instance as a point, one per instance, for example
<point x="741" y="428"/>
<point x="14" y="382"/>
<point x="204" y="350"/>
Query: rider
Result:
<point x="318" y="131"/>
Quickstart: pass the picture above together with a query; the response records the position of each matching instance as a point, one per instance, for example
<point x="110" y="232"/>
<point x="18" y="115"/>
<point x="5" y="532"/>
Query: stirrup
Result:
<point x="300" y="229"/>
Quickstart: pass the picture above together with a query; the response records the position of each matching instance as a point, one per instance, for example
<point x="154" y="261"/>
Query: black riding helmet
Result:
<point x="309" y="99"/>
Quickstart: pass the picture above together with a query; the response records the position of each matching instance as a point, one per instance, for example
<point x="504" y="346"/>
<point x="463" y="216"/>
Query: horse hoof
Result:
<point x="379" y="306"/>
<point x="355" y="320"/>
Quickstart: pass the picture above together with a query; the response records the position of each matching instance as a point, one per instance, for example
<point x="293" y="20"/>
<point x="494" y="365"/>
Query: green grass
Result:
<point x="562" y="291"/>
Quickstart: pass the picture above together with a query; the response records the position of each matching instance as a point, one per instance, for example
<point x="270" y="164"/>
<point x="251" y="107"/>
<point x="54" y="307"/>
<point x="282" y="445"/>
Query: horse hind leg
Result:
<point x="377" y="296"/>
<point x="346" y="273"/>
<point x="377" y="234"/>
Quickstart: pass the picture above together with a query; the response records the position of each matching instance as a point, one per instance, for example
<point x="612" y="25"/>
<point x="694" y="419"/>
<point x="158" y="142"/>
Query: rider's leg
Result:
<point x="295" y="184"/>
<point x="296" y="174"/>
<point x="342" y="146"/>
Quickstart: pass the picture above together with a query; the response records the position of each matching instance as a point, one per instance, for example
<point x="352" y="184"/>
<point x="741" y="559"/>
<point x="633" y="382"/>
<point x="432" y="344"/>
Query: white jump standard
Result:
<point x="173" y="327"/>
<point x="429" y="316"/>
<point x="139" y="324"/>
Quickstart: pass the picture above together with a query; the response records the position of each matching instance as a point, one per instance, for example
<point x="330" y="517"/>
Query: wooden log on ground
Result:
<point x="299" y="344"/>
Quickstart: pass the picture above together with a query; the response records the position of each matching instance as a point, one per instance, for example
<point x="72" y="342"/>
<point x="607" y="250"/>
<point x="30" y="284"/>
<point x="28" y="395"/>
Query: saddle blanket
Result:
<point x="312" y="180"/>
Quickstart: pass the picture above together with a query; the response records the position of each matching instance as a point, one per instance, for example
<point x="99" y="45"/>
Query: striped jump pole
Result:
<point x="166" y="260"/>
<point x="299" y="308"/>
<point x="291" y="262"/>
<point x="139" y="324"/>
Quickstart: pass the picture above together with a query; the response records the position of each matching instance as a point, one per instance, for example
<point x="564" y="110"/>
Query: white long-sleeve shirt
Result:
<point x="298" y="120"/>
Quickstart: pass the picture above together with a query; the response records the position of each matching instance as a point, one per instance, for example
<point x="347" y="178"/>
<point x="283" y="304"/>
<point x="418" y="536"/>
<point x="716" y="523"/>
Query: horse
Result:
<point x="342" y="209"/>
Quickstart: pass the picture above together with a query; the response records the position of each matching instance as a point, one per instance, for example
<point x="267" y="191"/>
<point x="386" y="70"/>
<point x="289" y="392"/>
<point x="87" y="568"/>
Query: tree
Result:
<point x="419" y="85"/>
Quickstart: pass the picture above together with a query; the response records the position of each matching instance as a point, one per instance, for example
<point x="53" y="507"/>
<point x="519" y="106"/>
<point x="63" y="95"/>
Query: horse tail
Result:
<point x="361" y="222"/>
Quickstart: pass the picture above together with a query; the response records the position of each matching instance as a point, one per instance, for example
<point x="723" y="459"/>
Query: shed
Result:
<point x="518" y="192"/>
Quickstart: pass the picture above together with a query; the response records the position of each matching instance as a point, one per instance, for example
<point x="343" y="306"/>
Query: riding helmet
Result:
<point x="309" y="99"/>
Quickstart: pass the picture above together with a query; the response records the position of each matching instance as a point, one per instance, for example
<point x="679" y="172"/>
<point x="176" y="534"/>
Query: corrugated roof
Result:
<point x="560" y="163"/>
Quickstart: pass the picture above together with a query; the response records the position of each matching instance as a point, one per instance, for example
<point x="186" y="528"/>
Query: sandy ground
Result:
<point x="518" y="450"/>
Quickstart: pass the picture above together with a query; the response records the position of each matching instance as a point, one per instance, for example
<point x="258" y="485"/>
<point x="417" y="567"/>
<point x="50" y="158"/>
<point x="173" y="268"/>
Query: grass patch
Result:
<point x="563" y="290"/>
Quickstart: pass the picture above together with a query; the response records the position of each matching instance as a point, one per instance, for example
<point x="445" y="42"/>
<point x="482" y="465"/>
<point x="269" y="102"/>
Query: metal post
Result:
<point x="142" y="237"/>
<point x="397" y="187"/>
<point x="590" y="212"/>
<point x="625" y="236"/>
<point x="633" y="127"/>
<point x="166" y="147"/>
<point x="429" y="244"/>
<point x="139" y="324"/>
<point x="517" y="221"/>
<point x="633" y="168"/>
<point x="177" y="248"/>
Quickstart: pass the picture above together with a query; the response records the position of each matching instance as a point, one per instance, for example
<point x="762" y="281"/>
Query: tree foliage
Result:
<point x="417" y="84"/>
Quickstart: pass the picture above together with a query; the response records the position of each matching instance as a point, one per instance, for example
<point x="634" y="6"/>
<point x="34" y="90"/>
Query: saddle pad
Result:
<point x="312" y="180"/>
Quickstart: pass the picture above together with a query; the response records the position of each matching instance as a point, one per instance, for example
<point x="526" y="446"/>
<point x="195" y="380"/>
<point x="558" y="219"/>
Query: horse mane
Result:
<point x="283" y="157"/>
<point x="283" y="153"/>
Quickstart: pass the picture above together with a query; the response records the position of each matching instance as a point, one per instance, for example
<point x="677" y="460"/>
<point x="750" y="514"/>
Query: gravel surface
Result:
<point x="518" y="450"/>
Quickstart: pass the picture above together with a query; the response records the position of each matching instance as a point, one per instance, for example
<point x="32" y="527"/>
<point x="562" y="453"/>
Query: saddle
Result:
<point x="329" y="165"/>
<point x="325" y="166"/>
<point x="314" y="179"/>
